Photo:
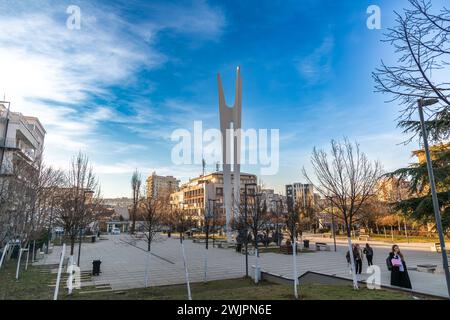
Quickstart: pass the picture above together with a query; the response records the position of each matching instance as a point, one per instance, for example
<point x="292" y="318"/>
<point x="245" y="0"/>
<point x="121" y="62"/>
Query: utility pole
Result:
<point x="332" y="225"/>
<point x="245" y="224"/>
<point x="437" y="216"/>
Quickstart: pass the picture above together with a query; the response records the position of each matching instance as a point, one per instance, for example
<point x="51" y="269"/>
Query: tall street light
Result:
<point x="277" y="214"/>
<point x="49" y="235"/>
<point x="81" y="229"/>
<point x="437" y="216"/>
<point x="245" y="224"/>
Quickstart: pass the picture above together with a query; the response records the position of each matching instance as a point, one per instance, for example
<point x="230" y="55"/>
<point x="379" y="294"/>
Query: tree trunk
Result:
<point x="294" y="262"/>
<point x="72" y="245"/>
<point x="147" y="268"/>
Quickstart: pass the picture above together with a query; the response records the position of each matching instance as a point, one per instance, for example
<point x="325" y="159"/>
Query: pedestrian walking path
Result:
<point x="124" y="261"/>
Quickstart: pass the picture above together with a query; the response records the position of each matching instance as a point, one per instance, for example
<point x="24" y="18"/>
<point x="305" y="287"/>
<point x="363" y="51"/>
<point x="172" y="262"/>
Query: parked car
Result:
<point x="115" y="231"/>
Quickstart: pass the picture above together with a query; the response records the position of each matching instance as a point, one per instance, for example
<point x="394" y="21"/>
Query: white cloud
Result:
<point x="52" y="72"/>
<point x="317" y="66"/>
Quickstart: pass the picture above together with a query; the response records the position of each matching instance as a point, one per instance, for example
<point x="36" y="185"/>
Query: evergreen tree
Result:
<point x="421" y="38"/>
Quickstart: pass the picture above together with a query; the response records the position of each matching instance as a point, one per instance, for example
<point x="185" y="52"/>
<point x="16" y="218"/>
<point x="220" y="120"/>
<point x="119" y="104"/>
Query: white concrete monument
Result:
<point x="230" y="126"/>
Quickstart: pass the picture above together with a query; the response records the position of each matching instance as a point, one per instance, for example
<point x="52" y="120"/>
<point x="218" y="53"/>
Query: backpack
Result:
<point x="389" y="263"/>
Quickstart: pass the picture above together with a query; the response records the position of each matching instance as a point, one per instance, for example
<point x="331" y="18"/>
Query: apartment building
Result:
<point x="21" y="139"/>
<point x="275" y="202"/>
<point x="300" y="194"/>
<point x="161" y="185"/>
<point x="205" y="192"/>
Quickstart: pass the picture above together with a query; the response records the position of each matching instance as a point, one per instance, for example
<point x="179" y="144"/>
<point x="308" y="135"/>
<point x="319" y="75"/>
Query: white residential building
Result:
<point x="21" y="139"/>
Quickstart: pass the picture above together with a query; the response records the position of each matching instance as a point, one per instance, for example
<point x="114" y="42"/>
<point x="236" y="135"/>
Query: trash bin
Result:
<point x="306" y="244"/>
<point x="93" y="239"/>
<point x="96" y="267"/>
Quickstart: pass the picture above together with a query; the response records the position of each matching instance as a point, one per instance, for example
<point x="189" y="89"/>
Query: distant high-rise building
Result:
<point x="300" y="194"/>
<point x="161" y="185"/>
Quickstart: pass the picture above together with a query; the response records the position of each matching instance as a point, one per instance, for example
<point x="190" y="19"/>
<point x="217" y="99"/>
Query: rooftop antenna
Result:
<point x="203" y="166"/>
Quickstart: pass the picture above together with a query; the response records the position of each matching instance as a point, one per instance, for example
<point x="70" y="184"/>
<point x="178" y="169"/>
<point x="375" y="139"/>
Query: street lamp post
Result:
<point x="207" y="218"/>
<point x="437" y="216"/>
<point x="80" y="226"/>
<point x="49" y="235"/>
<point x="332" y="225"/>
<point x="245" y="224"/>
<point x="277" y="219"/>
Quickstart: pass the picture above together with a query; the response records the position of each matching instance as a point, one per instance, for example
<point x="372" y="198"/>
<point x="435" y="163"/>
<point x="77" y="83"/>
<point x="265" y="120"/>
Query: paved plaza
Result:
<point x="123" y="263"/>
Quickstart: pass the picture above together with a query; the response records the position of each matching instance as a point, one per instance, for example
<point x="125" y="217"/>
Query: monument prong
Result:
<point x="231" y="116"/>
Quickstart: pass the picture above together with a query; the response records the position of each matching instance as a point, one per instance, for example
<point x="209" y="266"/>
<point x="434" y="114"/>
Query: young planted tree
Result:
<point x="136" y="182"/>
<point x="292" y="221"/>
<point x="78" y="201"/>
<point x="183" y="220"/>
<point x="349" y="179"/>
<point x="257" y="219"/>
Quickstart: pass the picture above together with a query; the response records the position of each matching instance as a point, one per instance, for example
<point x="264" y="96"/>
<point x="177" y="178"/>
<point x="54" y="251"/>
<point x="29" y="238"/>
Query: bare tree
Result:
<point x="421" y="39"/>
<point x="183" y="220"/>
<point x="151" y="212"/>
<point x="79" y="200"/>
<point x="349" y="179"/>
<point x="257" y="218"/>
<point x="136" y="182"/>
<point x="24" y="200"/>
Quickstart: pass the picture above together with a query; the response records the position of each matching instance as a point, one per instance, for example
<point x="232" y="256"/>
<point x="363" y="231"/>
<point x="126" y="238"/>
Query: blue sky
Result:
<point x="137" y="70"/>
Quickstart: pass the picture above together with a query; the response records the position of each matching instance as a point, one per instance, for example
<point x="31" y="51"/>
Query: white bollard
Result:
<point x="18" y="263"/>
<point x="5" y="249"/>
<point x="186" y="272"/>
<point x="294" y="258"/>
<point x="58" y="278"/>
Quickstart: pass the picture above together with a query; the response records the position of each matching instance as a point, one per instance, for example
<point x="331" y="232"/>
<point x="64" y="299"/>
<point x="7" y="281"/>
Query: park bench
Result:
<point x="431" y="268"/>
<point x="364" y="237"/>
<point x="436" y="247"/>
<point x="323" y="245"/>
<point x="225" y="245"/>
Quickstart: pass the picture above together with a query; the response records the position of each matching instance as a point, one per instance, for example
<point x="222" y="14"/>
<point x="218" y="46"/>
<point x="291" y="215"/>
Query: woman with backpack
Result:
<point x="397" y="265"/>
<point x="368" y="251"/>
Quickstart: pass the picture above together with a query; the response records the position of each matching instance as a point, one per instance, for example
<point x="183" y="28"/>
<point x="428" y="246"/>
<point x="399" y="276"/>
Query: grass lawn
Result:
<point x="242" y="289"/>
<point x="35" y="284"/>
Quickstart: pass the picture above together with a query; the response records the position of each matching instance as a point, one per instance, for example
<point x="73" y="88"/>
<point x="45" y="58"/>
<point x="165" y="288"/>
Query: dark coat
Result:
<point x="399" y="278"/>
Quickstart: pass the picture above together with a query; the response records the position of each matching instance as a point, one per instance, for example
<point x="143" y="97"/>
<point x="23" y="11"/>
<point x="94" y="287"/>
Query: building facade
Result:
<point x="161" y="185"/>
<point x="21" y="139"/>
<point x="300" y="194"/>
<point x="275" y="202"/>
<point x="205" y="193"/>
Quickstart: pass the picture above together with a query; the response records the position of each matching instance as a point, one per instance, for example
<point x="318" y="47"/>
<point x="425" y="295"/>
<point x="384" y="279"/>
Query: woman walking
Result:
<point x="399" y="272"/>
<point x="368" y="251"/>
